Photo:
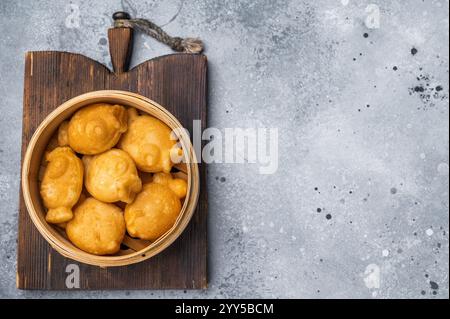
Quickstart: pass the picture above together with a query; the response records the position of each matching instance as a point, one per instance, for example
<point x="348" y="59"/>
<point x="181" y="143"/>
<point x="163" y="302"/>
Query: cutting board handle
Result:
<point x="120" y="44"/>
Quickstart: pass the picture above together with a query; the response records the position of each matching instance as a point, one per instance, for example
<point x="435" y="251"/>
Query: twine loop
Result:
<point x="187" y="45"/>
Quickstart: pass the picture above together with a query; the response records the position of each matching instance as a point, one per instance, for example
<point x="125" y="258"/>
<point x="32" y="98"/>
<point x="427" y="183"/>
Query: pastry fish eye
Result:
<point x="119" y="166"/>
<point x="150" y="153"/>
<point x="96" y="129"/>
<point x="58" y="167"/>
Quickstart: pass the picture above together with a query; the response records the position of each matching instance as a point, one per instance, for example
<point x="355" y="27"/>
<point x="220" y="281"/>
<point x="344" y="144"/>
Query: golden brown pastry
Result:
<point x="97" y="228"/>
<point x="112" y="176"/>
<point x="63" y="138"/>
<point x="61" y="184"/>
<point x="148" y="142"/>
<point x="177" y="185"/>
<point x="153" y="212"/>
<point x="81" y="199"/>
<point x="95" y="128"/>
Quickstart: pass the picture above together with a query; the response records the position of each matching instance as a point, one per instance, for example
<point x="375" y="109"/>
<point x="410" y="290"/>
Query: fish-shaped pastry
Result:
<point x="156" y="208"/>
<point x="177" y="185"/>
<point x="61" y="184"/>
<point x="149" y="142"/>
<point x="111" y="176"/>
<point x="97" y="228"/>
<point x="94" y="128"/>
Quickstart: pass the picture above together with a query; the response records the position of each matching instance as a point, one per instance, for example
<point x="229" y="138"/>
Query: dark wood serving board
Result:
<point x="176" y="81"/>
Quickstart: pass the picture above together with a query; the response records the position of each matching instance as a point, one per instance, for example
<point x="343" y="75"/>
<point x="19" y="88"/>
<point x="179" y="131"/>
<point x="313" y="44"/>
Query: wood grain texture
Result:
<point x="120" y="48"/>
<point x="179" y="83"/>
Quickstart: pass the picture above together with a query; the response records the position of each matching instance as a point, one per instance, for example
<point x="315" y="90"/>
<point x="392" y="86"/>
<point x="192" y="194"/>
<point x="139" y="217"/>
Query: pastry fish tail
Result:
<point x="59" y="215"/>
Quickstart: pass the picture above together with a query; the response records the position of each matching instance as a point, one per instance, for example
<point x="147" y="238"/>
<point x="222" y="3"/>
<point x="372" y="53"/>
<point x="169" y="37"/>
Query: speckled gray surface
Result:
<point x="363" y="135"/>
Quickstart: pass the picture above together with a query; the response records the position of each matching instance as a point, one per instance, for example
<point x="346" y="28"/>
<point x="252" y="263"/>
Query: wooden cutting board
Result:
<point x="176" y="81"/>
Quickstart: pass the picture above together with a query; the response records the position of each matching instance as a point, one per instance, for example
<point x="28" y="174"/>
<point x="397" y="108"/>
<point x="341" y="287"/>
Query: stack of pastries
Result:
<point x="109" y="175"/>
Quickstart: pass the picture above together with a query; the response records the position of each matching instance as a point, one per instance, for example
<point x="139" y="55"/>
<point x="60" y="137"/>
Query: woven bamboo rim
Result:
<point x="138" y="250"/>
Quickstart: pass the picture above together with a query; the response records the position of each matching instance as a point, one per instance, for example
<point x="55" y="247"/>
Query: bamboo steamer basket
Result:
<point x="132" y="250"/>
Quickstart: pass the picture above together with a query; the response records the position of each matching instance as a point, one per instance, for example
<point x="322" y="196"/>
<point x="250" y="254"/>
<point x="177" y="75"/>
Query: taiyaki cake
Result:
<point x="94" y="128"/>
<point x="149" y="143"/>
<point x="97" y="228"/>
<point x="177" y="185"/>
<point x="155" y="209"/>
<point x="111" y="176"/>
<point x="61" y="184"/>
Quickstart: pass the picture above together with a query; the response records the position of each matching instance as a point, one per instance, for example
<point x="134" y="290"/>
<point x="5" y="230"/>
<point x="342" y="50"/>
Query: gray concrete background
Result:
<point x="363" y="135"/>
